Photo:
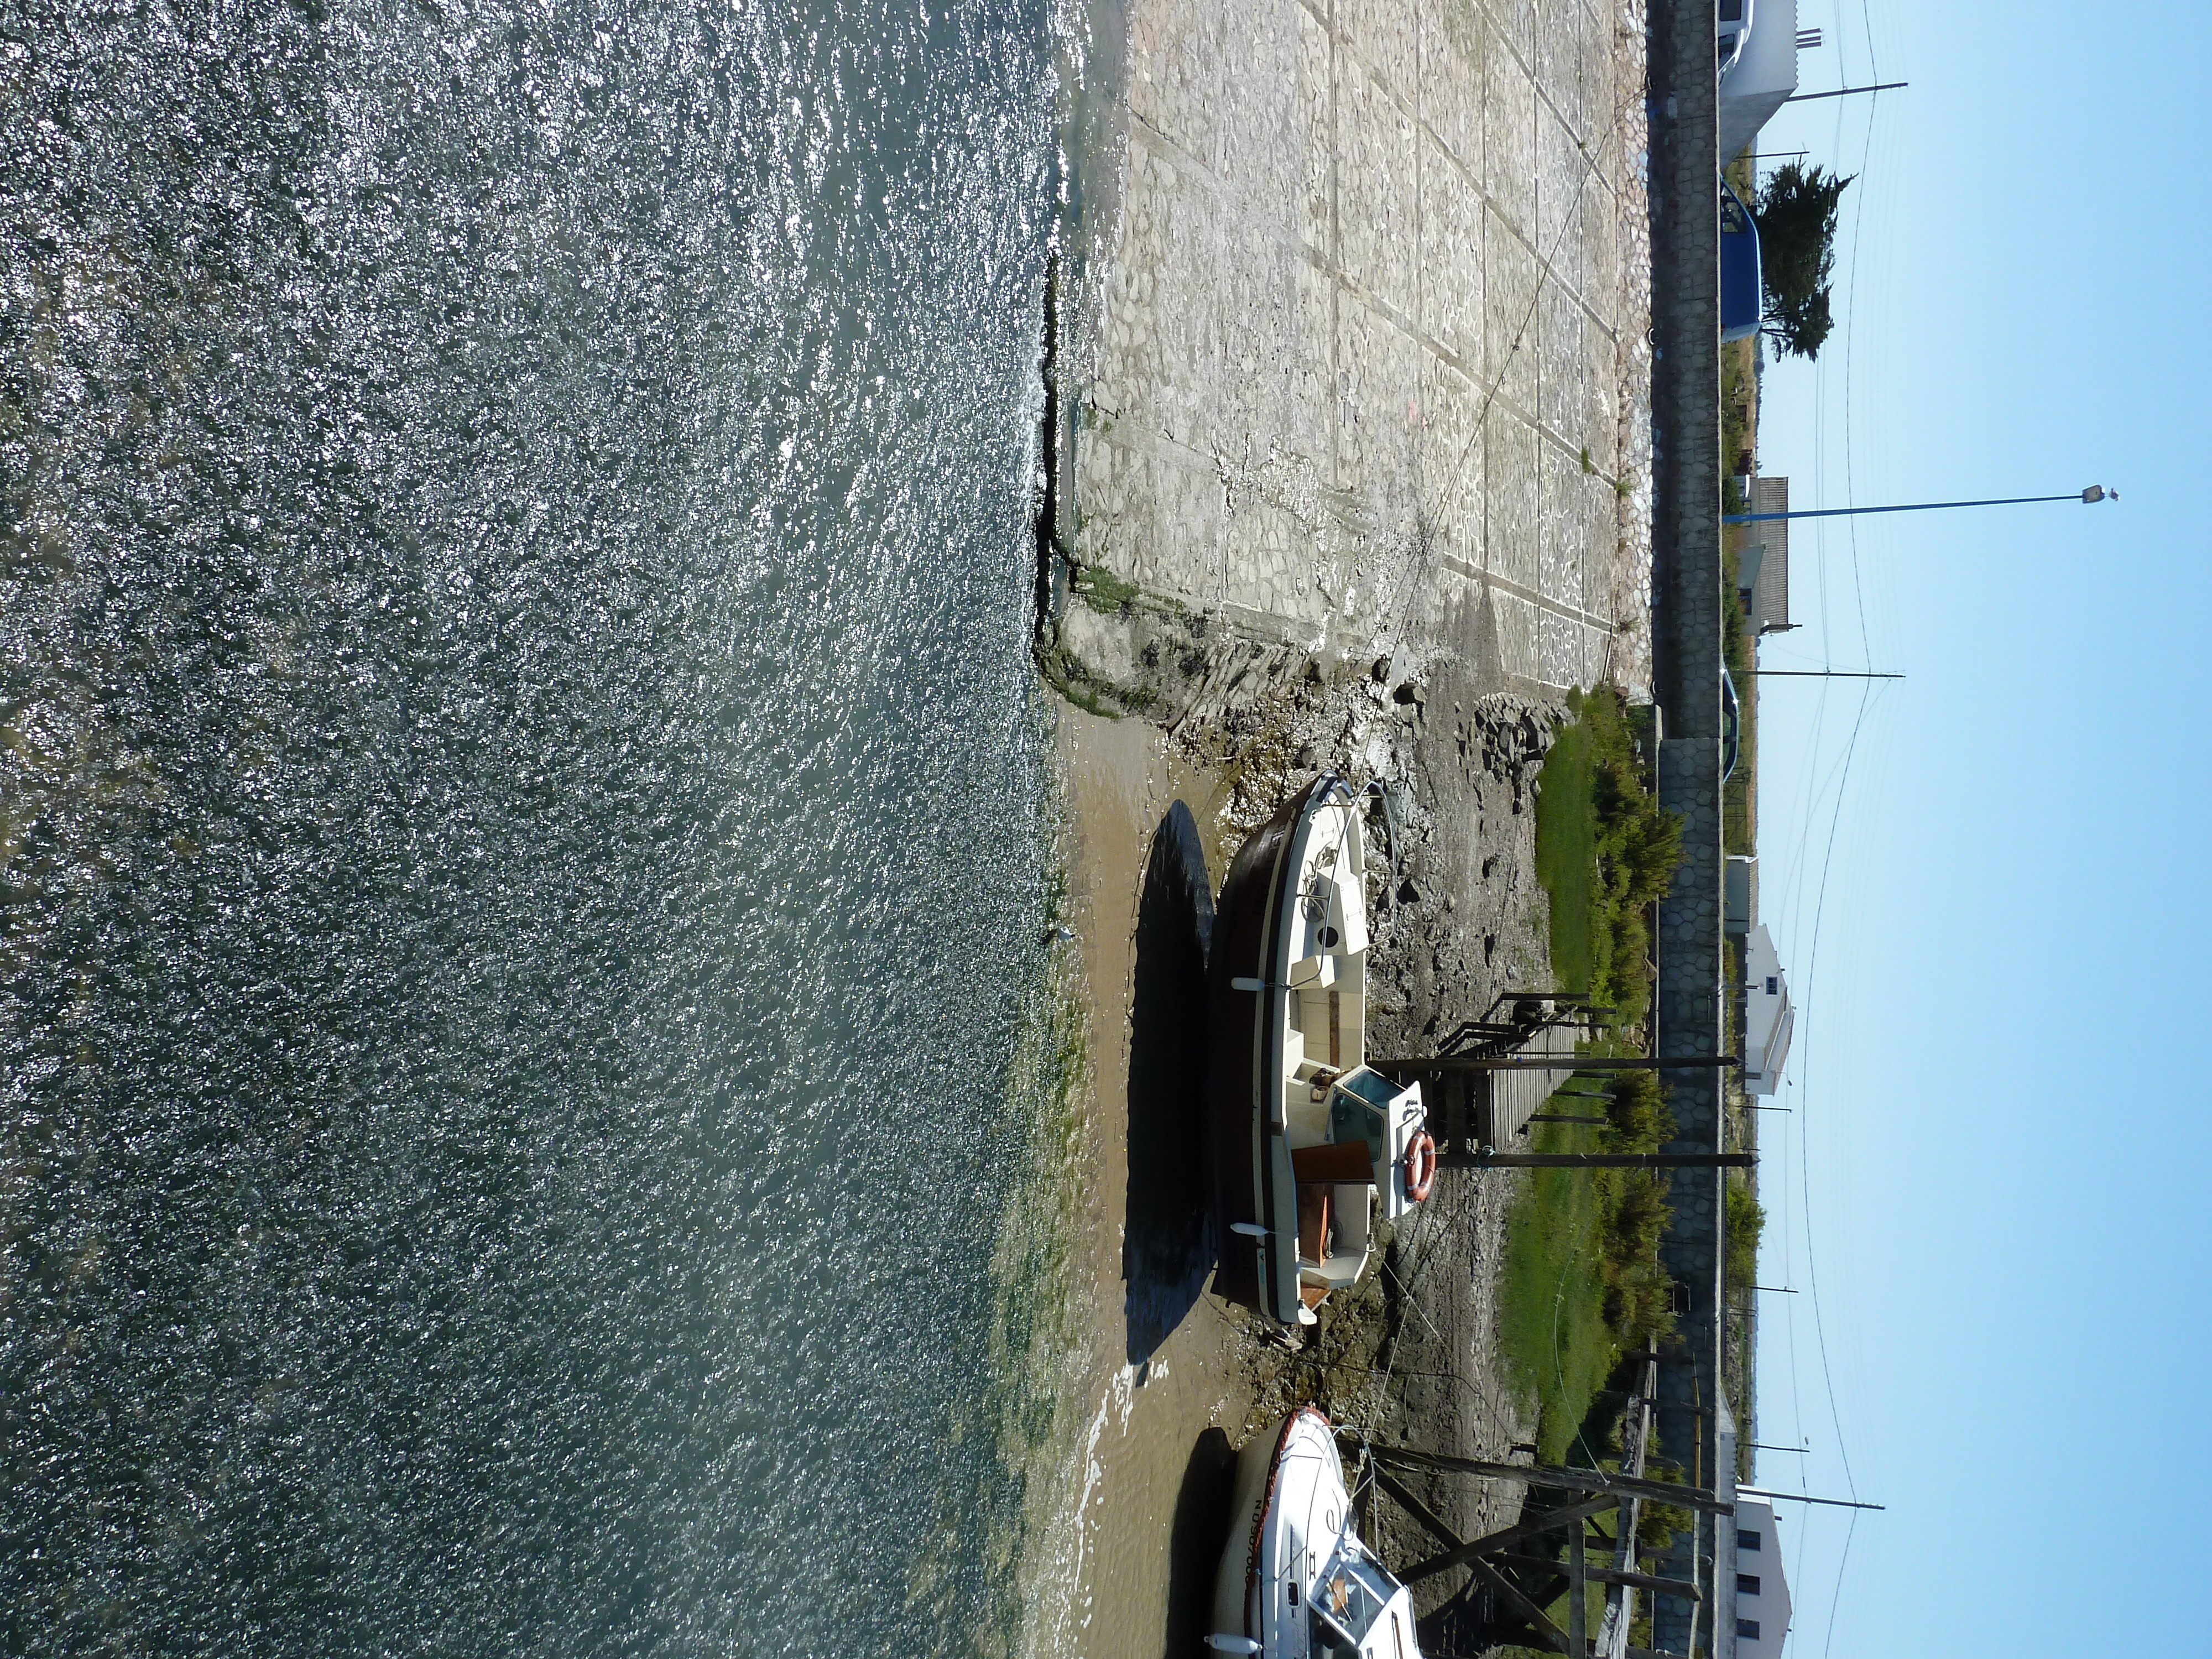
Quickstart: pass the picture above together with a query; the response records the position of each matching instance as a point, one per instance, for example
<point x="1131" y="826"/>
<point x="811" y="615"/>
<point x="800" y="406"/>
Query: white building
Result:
<point x="1763" y="77"/>
<point x="1752" y="1599"/>
<point x="1763" y="569"/>
<point x="1768" y="1016"/>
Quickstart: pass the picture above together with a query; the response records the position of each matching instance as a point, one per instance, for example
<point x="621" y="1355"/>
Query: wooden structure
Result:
<point x="1515" y="1019"/>
<point x="1472" y="1106"/>
<point x="1481" y="1102"/>
<point x="1510" y="1563"/>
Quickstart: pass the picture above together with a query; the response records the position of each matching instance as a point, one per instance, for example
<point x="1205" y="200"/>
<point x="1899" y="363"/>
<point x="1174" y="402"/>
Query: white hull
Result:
<point x="1293" y="1539"/>
<point x="1311" y="1144"/>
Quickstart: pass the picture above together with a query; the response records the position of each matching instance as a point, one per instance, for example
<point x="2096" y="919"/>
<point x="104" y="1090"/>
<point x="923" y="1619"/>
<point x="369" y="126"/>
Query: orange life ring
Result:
<point x="1420" y="1166"/>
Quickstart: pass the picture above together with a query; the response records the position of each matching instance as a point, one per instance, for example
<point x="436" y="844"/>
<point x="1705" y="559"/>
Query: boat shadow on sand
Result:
<point x="1201" y="1526"/>
<point x="1168" y="1238"/>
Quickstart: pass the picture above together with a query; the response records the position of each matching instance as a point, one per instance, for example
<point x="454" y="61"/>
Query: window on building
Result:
<point x="1745" y="1540"/>
<point x="1746" y="1583"/>
<point x="1748" y="1628"/>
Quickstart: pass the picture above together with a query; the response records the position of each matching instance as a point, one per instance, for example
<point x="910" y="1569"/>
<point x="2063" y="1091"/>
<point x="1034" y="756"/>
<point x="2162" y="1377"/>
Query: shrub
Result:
<point x="1746" y="1221"/>
<point x="1637" y="1117"/>
<point x="1657" y="1525"/>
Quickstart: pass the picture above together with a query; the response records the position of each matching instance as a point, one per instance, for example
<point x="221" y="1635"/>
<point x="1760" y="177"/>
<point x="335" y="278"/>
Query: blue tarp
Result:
<point x="1740" y="279"/>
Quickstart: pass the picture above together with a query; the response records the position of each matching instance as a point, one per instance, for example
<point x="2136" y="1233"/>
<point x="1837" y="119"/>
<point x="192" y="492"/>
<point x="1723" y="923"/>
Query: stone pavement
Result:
<point x="1372" y="373"/>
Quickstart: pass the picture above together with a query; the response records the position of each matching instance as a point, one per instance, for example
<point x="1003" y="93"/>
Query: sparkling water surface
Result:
<point x="523" y="814"/>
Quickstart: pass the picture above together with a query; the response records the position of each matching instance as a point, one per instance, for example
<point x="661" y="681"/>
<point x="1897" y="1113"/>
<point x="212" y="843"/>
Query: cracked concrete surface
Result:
<point x="1372" y="373"/>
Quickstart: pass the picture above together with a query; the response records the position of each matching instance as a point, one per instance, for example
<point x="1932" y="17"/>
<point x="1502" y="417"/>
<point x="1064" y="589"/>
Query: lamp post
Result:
<point x="2092" y="495"/>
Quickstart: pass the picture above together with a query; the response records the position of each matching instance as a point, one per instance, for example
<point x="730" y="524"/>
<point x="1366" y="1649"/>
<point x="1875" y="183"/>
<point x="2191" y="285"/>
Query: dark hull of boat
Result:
<point x="1242" y="1039"/>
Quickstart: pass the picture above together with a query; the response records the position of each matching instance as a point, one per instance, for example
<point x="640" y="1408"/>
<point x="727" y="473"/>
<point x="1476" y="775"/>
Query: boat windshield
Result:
<point x="1348" y="1599"/>
<point x="1360" y="1109"/>
<point x="1372" y="1087"/>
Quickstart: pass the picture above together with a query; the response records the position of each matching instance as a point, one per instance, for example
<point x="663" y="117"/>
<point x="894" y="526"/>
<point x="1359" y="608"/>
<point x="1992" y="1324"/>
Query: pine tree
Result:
<point x="1796" y="219"/>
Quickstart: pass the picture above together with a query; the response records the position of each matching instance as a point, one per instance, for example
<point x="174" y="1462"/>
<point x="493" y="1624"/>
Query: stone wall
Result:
<point x="1687" y="619"/>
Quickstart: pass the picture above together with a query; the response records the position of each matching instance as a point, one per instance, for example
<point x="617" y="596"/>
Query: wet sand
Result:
<point x="1172" y="1374"/>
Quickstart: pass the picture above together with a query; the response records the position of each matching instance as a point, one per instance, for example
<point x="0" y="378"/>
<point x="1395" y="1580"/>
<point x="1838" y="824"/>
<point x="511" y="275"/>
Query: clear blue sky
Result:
<point x="1993" y="904"/>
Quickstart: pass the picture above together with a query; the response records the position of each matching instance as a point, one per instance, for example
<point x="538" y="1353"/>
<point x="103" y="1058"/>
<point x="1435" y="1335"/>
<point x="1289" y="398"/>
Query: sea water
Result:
<point x="526" y="860"/>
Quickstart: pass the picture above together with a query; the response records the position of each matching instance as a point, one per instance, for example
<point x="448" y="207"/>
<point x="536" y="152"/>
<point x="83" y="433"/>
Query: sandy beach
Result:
<point x="1172" y="1379"/>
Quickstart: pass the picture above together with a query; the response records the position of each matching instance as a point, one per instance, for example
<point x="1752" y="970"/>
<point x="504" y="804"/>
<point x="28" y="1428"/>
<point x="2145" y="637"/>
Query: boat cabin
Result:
<point x="1358" y="1610"/>
<point x="1348" y="1133"/>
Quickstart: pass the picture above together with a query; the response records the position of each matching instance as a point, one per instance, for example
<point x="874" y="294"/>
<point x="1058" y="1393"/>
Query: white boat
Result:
<point x="1296" y="1583"/>
<point x="1308" y="1141"/>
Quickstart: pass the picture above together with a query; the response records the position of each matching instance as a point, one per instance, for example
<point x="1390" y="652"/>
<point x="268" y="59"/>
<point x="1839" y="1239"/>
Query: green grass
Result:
<point x="1566" y="852"/>
<point x="1580" y="1284"/>
<point x="1605" y="852"/>
<point x="1551" y="1310"/>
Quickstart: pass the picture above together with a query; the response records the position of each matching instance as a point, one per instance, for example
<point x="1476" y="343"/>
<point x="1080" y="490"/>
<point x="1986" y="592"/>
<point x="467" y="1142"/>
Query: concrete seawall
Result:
<point x="1688" y="613"/>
